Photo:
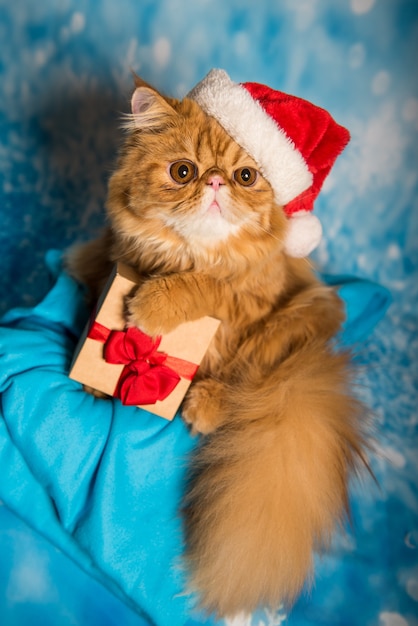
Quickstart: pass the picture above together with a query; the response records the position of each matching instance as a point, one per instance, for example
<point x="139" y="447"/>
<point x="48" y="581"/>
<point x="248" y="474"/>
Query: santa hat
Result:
<point x="294" y="143"/>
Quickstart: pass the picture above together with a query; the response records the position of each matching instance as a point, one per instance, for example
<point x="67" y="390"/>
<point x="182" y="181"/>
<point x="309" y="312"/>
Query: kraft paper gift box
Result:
<point x="125" y="363"/>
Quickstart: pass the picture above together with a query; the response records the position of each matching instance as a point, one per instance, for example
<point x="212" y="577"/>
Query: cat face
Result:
<point x="211" y="189"/>
<point x="183" y="179"/>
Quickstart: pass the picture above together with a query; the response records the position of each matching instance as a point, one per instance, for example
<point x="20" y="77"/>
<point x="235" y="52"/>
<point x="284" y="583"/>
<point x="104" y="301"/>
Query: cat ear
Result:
<point x="149" y="109"/>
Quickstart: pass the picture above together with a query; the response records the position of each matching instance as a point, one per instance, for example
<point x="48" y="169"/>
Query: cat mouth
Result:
<point x="214" y="208"/>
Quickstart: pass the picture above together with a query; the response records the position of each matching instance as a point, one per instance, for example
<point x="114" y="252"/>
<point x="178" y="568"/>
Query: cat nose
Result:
<point x="215" y="181"/>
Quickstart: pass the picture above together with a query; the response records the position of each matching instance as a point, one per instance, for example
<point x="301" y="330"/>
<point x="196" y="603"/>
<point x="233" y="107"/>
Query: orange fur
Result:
<point x="269" y="482"/>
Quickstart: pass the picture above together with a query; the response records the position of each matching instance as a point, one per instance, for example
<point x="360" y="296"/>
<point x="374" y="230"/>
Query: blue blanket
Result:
<point x="101" y="481"/>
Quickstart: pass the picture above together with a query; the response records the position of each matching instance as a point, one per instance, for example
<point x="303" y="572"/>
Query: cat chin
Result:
<point x="213" y="227"/>
<point x="205" y="228"/>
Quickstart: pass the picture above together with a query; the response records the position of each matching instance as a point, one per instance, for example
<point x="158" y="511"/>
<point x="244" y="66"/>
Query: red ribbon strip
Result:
<point x="148" y="375"/>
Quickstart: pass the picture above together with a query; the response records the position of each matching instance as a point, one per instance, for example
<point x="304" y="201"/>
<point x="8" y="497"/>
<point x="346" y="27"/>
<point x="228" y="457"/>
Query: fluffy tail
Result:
<point x="269" y="487"/>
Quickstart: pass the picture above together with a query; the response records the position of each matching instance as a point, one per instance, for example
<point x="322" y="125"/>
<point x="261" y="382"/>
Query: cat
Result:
<point x="282" y="430"/>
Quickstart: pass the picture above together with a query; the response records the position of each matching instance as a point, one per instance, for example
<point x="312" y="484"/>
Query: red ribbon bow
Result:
<point x="148" y="375"/>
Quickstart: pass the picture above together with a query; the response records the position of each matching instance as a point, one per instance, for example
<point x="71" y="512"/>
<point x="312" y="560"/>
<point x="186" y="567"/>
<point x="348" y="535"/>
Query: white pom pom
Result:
<point x="303" y="234"/>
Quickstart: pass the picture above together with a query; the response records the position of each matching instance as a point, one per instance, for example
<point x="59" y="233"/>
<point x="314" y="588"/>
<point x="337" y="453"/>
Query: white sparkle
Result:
<point x="380" y="83"/>
<point x="162" y="51"/>
<point x="359" y="7"/>
<point x="394" y="457"/>
<point x="391" y="619"/>
<point x="394" y="251"/>
<point x="412" y="588"/>
<point x="410" y="110"/>
<point x="78" y="22"/>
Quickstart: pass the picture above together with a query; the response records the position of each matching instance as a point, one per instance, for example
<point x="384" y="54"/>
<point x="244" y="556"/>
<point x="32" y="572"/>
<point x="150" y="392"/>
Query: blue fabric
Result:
<point x="102" y="481"/>
<point x="365" y="303"/>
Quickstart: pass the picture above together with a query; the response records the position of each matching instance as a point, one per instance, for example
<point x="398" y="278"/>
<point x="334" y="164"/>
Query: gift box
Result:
<point x="152" y="373"/>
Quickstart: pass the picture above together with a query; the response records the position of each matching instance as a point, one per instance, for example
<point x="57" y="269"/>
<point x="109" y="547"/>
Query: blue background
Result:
<point x="65" y="77"/>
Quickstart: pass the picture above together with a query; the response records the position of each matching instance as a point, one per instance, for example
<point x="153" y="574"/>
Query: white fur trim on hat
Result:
<point x="254" y="130"/>
<point x="304" y="232"/>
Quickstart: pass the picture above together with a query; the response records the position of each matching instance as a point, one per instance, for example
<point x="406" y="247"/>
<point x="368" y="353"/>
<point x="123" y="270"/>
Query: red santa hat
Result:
<point x="294" y="143"/>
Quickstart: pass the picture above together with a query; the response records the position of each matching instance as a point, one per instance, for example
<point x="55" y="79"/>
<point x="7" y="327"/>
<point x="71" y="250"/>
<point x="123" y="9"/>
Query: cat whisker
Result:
<point x="265" y="230"/>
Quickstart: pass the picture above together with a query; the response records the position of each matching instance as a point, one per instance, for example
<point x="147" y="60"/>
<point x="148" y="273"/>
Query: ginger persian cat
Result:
<point x="189" y="209"/>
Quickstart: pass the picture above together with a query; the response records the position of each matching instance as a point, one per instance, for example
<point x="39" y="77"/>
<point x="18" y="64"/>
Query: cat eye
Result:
<point x="246" y="176"/>
<point x="182" y="172"/>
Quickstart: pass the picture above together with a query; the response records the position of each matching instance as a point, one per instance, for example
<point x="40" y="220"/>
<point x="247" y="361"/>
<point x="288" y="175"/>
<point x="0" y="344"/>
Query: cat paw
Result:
<point x="202" y="407"/>
<point x="152" y="309"/>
